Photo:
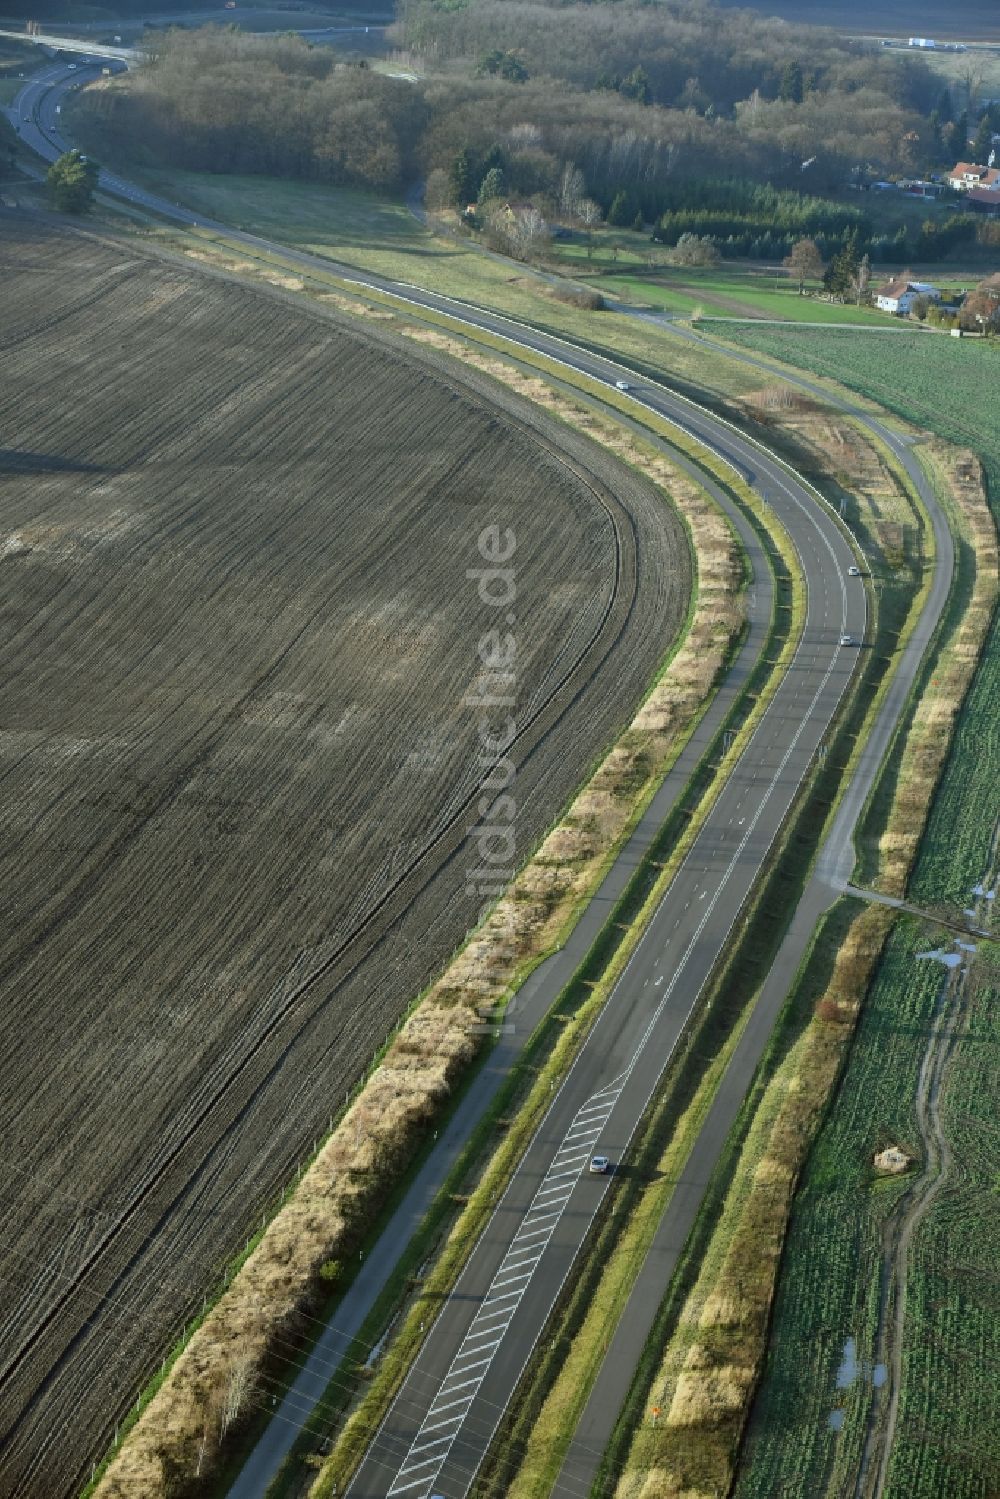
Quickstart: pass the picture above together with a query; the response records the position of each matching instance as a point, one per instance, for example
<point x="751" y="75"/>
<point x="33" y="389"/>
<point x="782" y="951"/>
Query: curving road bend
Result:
<point x="436" y="1433"/>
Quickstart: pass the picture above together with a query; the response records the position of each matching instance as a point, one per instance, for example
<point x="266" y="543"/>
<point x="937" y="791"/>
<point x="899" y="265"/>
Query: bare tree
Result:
<point x="572" y="190"/>
<point x="694" y="250"/>
<point x="862" y="280"/>
<point x="972" y="77"/>
<point x="589" y="214"/>
<point x="804" y="262"/>
<point x="239" y="1389"/>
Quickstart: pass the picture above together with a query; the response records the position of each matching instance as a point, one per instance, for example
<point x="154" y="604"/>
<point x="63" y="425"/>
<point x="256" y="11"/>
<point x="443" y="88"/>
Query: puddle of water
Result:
<point x="966" y="946"/>
<point x="848" y="1371"/>
<point x="949" y="959"/>
<point x="981" y="890"/>
<point x="879" y="1375"/>
<point x="836" y="1420"/>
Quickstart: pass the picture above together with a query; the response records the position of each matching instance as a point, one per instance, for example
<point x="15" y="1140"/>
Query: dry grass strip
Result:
<point x="710" y="1365"/>
<point x="178" y="1437"/>
<point x="929" y="738"/>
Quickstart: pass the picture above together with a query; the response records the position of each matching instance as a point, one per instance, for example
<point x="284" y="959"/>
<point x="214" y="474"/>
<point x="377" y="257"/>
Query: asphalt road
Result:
<point x="440" y="1425"/>
<point x="829" y="878"/>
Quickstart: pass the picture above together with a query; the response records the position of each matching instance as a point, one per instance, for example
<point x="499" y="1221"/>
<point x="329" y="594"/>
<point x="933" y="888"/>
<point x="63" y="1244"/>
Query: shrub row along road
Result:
<point x="436" y="1433"/>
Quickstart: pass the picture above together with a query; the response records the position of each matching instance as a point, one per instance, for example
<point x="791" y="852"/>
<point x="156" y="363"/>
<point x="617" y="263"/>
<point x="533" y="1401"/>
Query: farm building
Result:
<point x="899" y="296"/>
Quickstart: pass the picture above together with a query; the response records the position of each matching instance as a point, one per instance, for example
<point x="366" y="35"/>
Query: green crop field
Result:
<point x="947" y="1440"/>
<point x="807" y="1429"/>
<point x="949" y="386"/>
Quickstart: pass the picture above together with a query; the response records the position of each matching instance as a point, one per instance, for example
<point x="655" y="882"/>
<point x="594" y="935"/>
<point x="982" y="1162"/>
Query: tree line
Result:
<point x="676" y="53"/>
<point x="220" y="100"/>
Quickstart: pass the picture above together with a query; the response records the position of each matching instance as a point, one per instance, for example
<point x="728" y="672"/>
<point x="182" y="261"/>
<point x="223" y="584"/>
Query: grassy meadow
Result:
<point x="626" y="266"/>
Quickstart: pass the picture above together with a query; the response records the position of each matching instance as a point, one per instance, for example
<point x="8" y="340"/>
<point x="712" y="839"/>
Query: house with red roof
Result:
<point x="966" y="176"/>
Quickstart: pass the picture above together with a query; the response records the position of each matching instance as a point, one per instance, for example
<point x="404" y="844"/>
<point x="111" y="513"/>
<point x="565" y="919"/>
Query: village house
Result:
<point x="899" y="295"/>
<point x="965" y="175"/>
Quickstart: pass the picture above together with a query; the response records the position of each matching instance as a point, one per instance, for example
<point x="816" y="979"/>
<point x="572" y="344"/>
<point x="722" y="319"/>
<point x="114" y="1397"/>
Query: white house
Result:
<point x="966" y="175"/>
<point x="899" y="296"/>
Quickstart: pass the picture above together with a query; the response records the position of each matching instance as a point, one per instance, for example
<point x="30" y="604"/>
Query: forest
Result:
<point x="675" y="115"/>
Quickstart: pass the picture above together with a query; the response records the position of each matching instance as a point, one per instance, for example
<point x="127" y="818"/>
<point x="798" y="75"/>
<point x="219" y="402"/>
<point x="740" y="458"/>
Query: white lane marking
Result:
<point x="547" y="1195"/>
<point x="499" y="1326"/>
<point x="538" y="1218"/>
<point x="591" y="1130"/>
<point x="426" y="1446"/>
<point x="561" y="1189"/>
<point x="593" y="1116"/>
<point x="512" y="1280"/>
<point x="522" y="1239"/>
<point x="401" y="1488"/>
<point x="515" y="1270"/>
<point x="515" y="1257"/>
<point x="462" y="1400"/>
<point x="569" y="1171"/>
<point x="463" y="1384"/>
<point x="485" y="1347"/>
<point x="529" y="1259"/>
<point x="477" y="1363"/>
<point x="576" y="1155"/>
<point x="507" y="1296"/>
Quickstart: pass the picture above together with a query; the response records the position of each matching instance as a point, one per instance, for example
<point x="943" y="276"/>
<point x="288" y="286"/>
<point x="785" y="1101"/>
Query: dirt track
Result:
<point x="238" y="773"/>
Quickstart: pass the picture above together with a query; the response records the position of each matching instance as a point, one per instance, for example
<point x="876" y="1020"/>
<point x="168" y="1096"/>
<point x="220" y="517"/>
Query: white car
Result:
<point x="853" y="572"/>
<point x="622" y="385"/>
<point x="847" y="639"/>
<point x="599" y="1165"/>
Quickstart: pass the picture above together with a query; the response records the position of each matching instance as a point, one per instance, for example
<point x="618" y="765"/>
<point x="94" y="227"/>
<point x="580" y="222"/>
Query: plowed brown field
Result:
<point x="237" y="774"/>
